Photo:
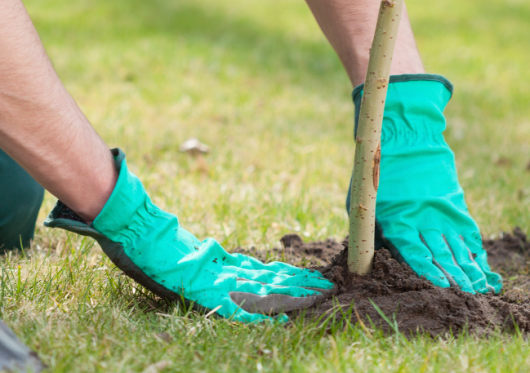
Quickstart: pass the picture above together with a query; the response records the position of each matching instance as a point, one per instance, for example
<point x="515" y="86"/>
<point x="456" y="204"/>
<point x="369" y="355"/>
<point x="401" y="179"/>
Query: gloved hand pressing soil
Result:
<point x="151" y="247"/>
<point x="421" y="215"/>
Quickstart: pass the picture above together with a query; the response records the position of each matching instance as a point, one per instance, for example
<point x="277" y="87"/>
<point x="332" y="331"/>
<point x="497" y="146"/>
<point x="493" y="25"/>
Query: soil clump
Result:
<point x="411" y="303"/>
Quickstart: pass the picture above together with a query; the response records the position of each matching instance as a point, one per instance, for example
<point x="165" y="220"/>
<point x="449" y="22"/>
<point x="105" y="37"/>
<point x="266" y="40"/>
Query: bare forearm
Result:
<point x="41" y="126"/>
<point x="349" y="26"/>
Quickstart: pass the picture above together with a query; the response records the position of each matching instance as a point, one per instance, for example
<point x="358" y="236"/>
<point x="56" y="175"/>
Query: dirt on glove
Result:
<point x="411" y="303"/>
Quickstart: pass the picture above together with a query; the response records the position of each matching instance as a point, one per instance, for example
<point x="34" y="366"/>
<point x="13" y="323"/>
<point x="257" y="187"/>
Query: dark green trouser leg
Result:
<point x="20" y="200"/>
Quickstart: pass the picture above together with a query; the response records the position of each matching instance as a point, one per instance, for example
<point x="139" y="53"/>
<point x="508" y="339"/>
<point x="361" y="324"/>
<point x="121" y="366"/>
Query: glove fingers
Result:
<point x="464" y="258"/>
<point x="474" y="243"/>
<point x="211" y="250"/>
<point x="445" y="257"/>
<point x="254" y="297"/>
<point x="276" y="267"/>
<point x="232" y="310"/>
<point x="417" y="255"/>
<point x="304" y="279"/>
<point x="258" y="288"/>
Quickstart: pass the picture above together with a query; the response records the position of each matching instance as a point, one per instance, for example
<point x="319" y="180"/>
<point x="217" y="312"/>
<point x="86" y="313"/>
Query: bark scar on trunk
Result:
<point x="375" y="166"/>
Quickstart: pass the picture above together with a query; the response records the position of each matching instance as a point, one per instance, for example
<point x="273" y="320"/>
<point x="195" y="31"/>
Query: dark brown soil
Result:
<point x="413" y="304"/>
<point x="296" y="252"/>
<point x="510" y="256"/>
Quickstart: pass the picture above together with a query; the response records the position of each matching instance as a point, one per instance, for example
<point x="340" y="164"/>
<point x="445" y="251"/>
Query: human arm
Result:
<point x="42" y="128"/>
<point x="349" y="26"/>
<point x="421" y="214"/>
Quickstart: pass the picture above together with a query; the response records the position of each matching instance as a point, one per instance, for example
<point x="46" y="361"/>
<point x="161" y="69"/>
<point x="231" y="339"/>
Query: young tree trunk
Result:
<point x="368" y="150"/>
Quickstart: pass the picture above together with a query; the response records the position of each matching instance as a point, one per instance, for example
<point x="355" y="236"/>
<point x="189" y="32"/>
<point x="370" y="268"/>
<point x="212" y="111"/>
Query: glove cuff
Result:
<point x="414" y="105"/>
<point x="128" y="205"/>
<point x="127" y="199"/>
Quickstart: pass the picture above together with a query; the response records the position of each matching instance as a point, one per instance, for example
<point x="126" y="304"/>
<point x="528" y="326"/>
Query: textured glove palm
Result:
<point x="421" y="213"/>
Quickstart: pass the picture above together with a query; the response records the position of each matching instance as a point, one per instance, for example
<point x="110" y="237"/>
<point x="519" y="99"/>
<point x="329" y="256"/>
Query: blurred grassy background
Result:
<point x="257" y="81"/>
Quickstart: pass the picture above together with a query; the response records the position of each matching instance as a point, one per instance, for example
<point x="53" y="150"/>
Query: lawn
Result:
<point x="259" y="84"/>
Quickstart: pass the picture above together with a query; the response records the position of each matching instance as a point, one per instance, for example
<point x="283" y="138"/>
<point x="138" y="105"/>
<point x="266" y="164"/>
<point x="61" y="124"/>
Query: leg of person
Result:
<point x="20" y="200"/>
<point x="421" y="214"/>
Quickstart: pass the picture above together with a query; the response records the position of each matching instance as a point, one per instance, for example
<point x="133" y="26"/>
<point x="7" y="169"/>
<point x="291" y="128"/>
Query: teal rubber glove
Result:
<point x="421" y="215"/>
<point x="151" y="247"/>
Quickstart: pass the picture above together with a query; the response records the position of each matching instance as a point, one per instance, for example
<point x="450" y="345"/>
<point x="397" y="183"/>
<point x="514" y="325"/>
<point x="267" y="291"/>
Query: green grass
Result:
<point x="257" y="82"/>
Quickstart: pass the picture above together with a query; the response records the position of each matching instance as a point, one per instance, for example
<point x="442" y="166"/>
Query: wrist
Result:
<point x="89" y="201"/>
<point x="128" y="207"/>
<point x="414" y="105"/>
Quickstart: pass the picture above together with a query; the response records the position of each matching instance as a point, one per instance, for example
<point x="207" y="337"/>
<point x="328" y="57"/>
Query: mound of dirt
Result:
<point x="510" y="256"/>
<point x="414" y="304"/>
<point x="509" y="252"/>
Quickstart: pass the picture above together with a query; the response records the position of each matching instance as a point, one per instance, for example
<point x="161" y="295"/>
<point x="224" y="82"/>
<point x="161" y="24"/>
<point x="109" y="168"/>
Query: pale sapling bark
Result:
<point x="368" y="149"/>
